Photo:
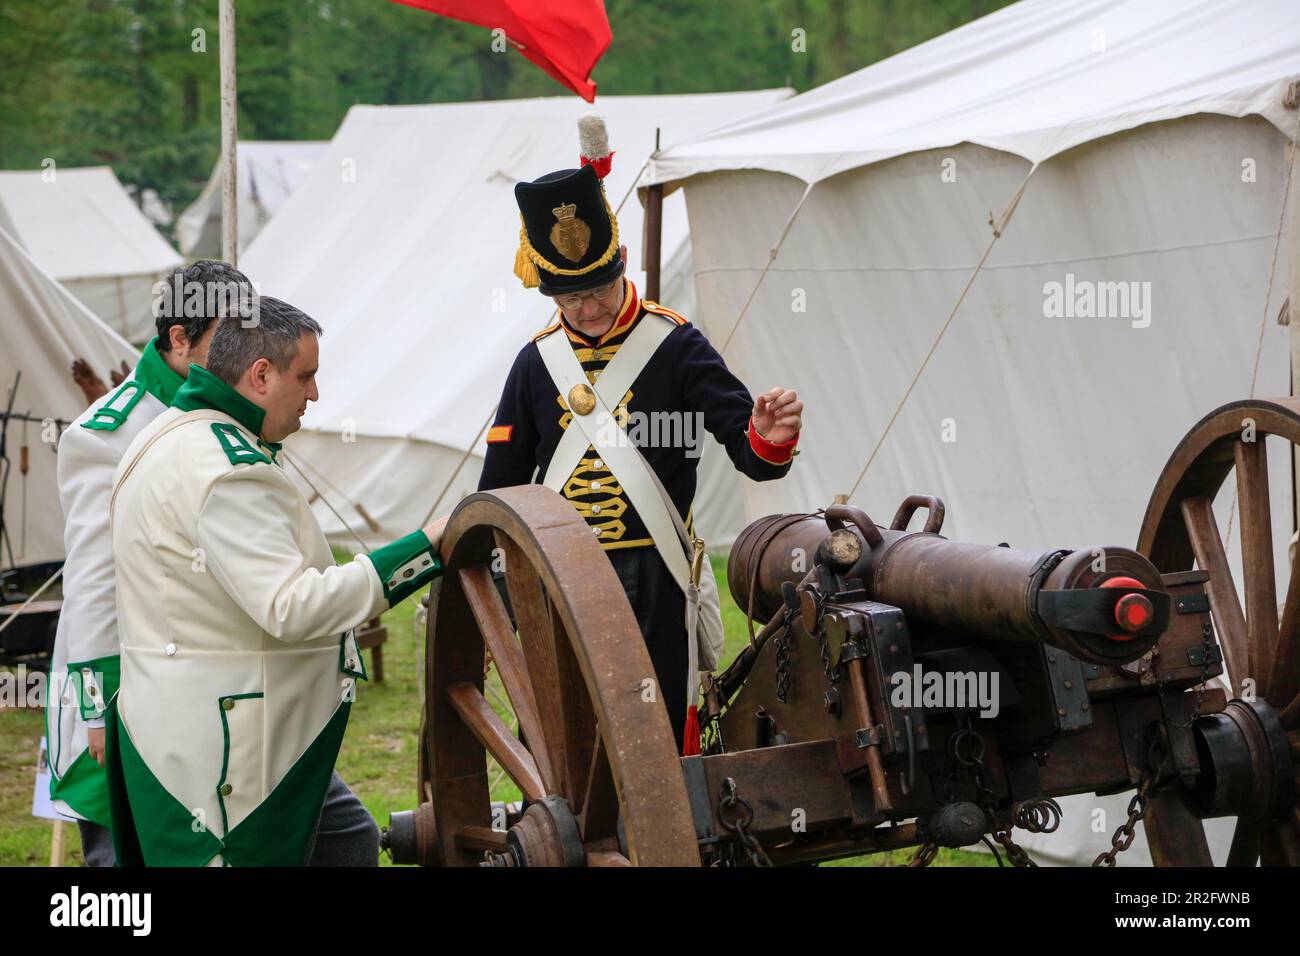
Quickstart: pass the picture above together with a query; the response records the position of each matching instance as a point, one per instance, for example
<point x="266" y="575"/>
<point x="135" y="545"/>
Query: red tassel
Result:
<point x="601" y="166"/>
<point x="691" y="736"/>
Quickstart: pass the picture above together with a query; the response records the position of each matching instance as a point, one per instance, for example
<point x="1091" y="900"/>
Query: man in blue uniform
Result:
<point x="670" y="377"/>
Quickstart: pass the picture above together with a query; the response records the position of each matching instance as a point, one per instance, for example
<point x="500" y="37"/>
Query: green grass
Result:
<point x="379" y="755"/>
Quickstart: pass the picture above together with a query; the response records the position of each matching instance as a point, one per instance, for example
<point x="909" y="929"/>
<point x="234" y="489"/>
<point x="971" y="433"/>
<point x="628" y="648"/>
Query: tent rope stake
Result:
<point x="999" y="226"/>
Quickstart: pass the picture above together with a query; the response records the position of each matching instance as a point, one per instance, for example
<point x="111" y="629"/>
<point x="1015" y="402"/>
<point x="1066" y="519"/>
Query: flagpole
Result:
<point x="229" y="136"/>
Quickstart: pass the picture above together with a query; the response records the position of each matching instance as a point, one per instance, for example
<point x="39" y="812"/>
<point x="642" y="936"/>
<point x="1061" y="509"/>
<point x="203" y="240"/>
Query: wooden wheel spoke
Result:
<point x="1207" y="545"/>
<point x="494" y="624"/>
<point x="598" y="812"/>
<point x="539" y="637"/>
<point x="1282" y="685"/>
<point x="1290" y="714"/>
<point x="493" y="734"/>
<point x="1256" y="557"/>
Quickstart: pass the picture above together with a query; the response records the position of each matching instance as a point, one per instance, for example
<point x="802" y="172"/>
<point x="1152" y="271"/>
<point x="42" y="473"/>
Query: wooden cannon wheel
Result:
<point x="1180" y="528"/>
<point x="576" y="676"/>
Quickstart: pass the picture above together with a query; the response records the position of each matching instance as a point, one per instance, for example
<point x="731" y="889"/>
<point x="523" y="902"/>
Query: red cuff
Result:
<point x="770" y="452"/>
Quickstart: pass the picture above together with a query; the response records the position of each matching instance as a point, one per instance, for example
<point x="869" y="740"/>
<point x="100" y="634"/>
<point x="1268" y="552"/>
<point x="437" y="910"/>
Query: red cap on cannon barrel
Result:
<point x="1133" y="611"/>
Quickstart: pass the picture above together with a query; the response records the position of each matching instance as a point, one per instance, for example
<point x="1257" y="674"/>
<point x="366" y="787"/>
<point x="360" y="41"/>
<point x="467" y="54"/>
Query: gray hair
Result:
<point x="273" y="335"/>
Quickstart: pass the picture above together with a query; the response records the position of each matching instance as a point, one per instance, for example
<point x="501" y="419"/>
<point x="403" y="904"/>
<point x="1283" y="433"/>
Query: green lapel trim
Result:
<point x="204" y="390"/>
<point x="110" y="416"/>
<point x="153" y="375"/>
<point x="358" y="670"/>
<point x="107" y="672"/>
<point x="84" y="787"/>
<point x="150" y="826"/>
<point x="236" y="446"/>
<point x="278" y="831"/>
<point x="225" y="751"/>
<point x="156" y="375"/>
<point x="273" y="447"/>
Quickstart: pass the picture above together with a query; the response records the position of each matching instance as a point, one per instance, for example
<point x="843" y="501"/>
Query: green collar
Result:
<point x="156" y="375"/>
<point x="202" y="389"/>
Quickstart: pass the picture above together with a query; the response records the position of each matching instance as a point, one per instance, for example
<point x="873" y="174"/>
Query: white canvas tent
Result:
<point x="402" y="242"/>
<point x="84" y="230"/>
<point x="268" y="171"/>
<point x="42" y="329"/>
<point x="1146" y="142"/>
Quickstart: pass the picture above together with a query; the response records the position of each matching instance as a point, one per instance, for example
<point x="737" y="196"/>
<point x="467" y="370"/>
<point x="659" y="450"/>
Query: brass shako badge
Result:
<point x="570" y="235"/>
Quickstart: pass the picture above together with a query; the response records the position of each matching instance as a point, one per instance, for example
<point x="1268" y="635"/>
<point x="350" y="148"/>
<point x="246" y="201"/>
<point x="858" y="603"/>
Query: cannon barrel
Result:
<point x="1103" y="605"/>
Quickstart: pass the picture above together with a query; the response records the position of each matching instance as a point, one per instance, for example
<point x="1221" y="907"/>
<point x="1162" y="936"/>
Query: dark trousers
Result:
<point x="660" y="609"/>
<point x="96" y="844"/>
<point x="346" y="833"/>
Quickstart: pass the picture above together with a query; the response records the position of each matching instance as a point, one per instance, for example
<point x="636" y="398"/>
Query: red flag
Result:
<point x="564" y="37"/>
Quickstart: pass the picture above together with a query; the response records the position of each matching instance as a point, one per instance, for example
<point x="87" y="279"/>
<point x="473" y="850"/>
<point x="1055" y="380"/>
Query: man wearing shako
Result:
<point x="580" y="393"/>
<point x="239" y="657"/>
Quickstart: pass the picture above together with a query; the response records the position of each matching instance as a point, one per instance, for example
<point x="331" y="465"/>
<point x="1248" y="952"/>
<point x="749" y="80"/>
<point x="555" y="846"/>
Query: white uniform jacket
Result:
<point x="84" y="672"/>
<point x="239" y="661"/>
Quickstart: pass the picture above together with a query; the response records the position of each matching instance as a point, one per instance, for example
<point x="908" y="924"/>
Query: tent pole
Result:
<point x="654" y="207"/>
<point x="1291" y="100"/>
<point x="229" y="136"/>
<point x="653" y="226"/>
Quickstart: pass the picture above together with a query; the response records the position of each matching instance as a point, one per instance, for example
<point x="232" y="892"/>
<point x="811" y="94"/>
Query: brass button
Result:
<point x="408" y="572"/>
<point x="582" y="399"/>
<point x="227" y="704"/>
<point x="227" y="789"/>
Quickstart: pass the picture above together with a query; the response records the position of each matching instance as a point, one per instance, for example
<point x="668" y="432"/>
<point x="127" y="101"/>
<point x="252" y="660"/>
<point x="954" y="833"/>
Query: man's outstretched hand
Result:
<point x="778" y="415"/>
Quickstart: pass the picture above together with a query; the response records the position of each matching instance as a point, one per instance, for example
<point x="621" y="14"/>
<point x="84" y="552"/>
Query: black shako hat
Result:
<point x="568" y="237"/>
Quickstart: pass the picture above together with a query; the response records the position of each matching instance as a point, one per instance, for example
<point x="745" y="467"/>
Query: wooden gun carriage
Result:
<point x="1103" y="660"/>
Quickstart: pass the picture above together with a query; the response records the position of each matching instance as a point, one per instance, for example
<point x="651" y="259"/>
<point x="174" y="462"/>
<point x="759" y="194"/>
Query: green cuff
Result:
<point x="96" y="682"/>
<point x="406" y="565"/>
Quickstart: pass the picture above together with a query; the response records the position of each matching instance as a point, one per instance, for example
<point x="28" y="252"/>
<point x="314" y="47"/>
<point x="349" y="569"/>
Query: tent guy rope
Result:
<point x="999" y="226"/>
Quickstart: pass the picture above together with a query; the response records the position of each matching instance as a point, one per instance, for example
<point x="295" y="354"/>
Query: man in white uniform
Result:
<point x="85" y="665"/>
<point x="239" y="660"/>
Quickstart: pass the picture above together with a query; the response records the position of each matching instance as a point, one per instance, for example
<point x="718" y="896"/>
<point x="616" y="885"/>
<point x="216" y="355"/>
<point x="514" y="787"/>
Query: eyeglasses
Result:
<point x="600" y="293"/>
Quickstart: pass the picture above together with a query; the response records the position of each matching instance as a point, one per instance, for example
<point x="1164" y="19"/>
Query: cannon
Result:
<point x="899" y="690"/>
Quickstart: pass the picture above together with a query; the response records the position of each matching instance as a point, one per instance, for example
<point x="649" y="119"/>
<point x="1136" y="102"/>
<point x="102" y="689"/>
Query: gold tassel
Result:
<point x="525" y="268"/>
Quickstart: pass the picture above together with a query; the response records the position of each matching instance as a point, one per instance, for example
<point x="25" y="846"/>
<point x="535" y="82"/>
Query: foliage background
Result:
<point x="118" y="82"/>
